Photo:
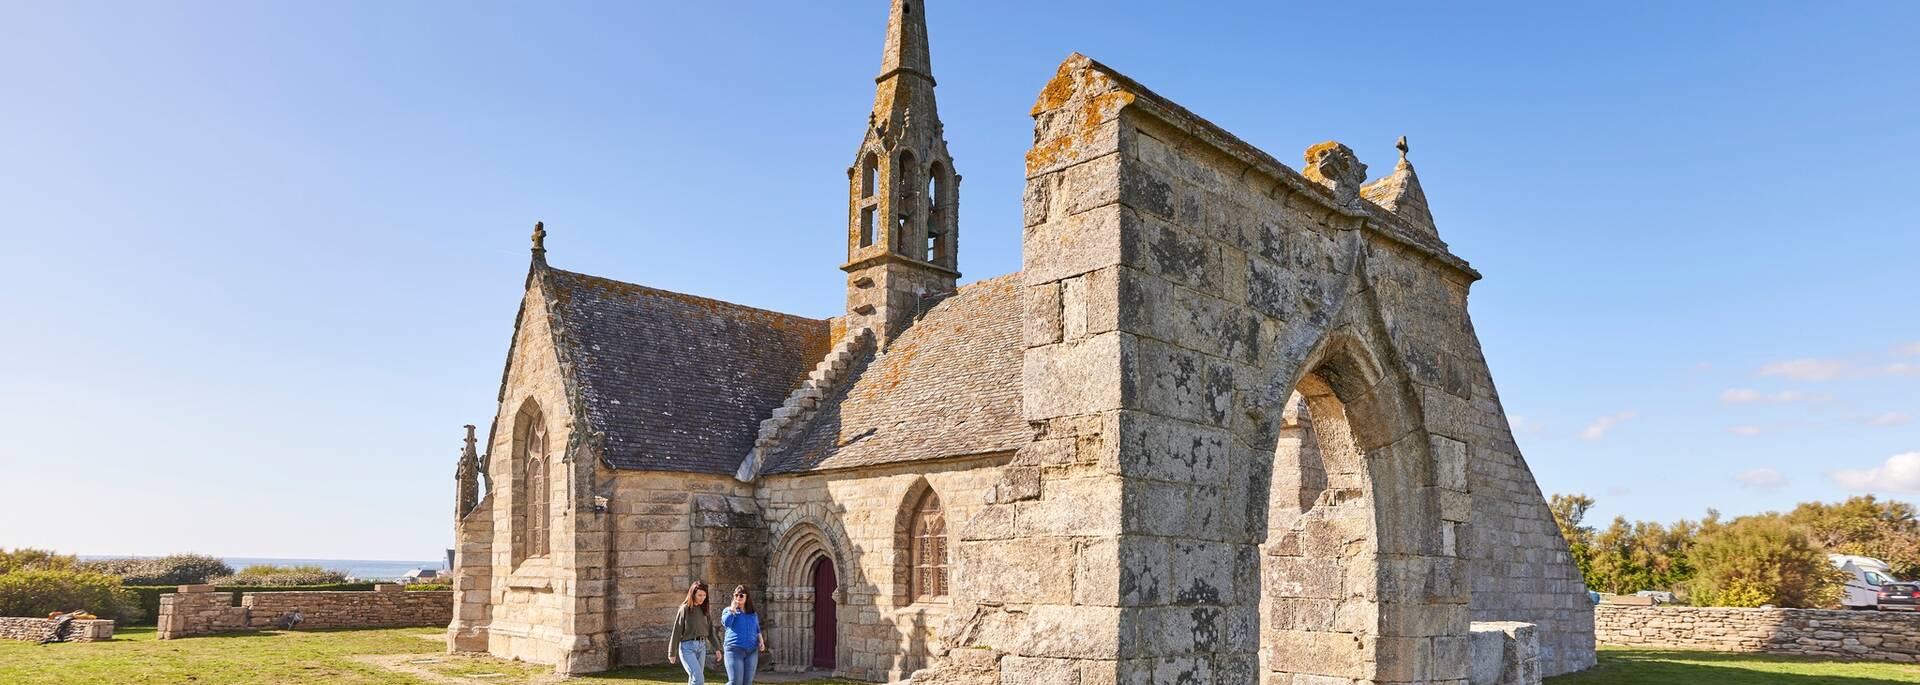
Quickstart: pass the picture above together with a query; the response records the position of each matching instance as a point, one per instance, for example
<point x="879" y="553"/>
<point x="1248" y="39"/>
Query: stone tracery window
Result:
<point x="534" y="498"/>
<point x="927" y="554"/>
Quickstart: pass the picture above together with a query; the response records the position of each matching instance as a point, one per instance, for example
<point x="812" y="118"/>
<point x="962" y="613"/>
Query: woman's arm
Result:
<point x="674" y="638"/>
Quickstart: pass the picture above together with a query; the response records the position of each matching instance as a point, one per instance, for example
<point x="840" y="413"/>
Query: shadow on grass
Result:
<point x="1653" y="667"/>
<point x="667" y="674"/>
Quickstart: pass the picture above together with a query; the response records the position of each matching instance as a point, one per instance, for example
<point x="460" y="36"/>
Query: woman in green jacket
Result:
<point x="693" y="637"/>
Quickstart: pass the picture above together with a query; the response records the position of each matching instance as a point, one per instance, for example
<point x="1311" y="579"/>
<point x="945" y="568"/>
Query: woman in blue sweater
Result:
<point x="743" y="641"/>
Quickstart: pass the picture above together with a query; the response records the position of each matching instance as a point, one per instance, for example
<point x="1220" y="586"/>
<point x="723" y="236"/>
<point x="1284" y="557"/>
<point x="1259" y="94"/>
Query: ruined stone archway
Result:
<point x="1357" y="571"/>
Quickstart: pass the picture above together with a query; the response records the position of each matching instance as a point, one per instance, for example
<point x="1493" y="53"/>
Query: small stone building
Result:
<point x="1230" y="423"/>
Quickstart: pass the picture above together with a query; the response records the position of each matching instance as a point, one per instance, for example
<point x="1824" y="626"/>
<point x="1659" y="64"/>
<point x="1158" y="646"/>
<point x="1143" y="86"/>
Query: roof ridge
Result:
<point x="678" y="294"/>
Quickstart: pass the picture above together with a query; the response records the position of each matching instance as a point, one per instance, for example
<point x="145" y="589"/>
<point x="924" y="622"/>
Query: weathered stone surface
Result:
<point x="1503" y="653"/>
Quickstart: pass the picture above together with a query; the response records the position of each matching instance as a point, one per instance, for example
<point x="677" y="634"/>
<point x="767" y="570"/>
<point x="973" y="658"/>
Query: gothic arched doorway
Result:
<point x="825" y="614"/>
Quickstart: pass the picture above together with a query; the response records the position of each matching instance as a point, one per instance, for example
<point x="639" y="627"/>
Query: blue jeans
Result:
<point x="693" y="658"/>
<point x="740" y="666"/>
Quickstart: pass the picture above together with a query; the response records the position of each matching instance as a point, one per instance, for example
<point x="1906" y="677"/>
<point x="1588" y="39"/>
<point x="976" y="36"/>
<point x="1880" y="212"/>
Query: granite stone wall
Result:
<point x="197" y="610"/>
<point x="1185" y="293"/>
<point x="858" y="519"/>
<point x="544" y="608"/>
<point x="37" y="629"/>
<point x="1874" y="635"/>
<point x="663" y="531"/>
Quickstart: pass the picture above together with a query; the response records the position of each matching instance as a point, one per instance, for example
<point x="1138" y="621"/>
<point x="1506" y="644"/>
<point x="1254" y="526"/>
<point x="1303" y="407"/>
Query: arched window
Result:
<point x="869" y="168"/>
<point x="936" y="213"/>
<point x="534" y="492"/>
<point x="905" y="226"/>
<point x="927" y="556"/>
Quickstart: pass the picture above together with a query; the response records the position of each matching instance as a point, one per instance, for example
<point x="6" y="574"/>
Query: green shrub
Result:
<point x="427" y="587"/>
<point x="34" y="559"/>
<point x="1761" y="559"/>
<point x="39" y="592"/>
<point x="268" y="574"/>
<point x="173" y="569"/>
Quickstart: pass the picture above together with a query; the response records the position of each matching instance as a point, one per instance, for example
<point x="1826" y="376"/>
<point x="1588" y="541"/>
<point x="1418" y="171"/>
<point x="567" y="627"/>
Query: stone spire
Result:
<point x="1401" y="194"/>
<point x="467" y="475"/>
<point x="903" y="225"/>
<point x="906" y="48"/>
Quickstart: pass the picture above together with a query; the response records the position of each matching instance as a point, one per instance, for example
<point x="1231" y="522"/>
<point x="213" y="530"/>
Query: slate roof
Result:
<point x="675" y="382"/>
<point x="948" y="386"/>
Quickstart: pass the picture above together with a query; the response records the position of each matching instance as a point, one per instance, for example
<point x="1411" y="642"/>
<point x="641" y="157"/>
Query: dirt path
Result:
<point x="416" y="665"/>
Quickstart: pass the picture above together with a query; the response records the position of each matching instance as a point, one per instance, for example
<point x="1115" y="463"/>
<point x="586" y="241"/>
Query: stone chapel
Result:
<point x="1229" y="423"/>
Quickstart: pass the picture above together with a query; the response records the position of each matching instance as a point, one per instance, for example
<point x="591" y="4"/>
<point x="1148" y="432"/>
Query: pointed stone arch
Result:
<point x="1358" y="572"/>
<point x="531" y="455"/>
<point x="907" y="511"/>
<point x="802" y="539"/>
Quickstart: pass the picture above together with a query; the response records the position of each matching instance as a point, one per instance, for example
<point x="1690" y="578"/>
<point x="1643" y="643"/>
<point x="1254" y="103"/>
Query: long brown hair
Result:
<point x="698" y="587"/>
<point x="742" y="591"/>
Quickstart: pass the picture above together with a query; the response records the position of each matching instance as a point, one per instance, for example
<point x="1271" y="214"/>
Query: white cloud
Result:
<point x="1911" y="349"/>
<point x="1618" y="491"/>
<point x="1746" y="431"/>
<point x="1600" y="426"/>
<point x="1761" y="479"/>
<point x="1892" y="418"/>
<point x="1900" y="473"/>
<point x="1522" y="424"/>
<point x="1806" y="369"/>
<point x="1751" y="396"/>
<point x="1833" y="369"/>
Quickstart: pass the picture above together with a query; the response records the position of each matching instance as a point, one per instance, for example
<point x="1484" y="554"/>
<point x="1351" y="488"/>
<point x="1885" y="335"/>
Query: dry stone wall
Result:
<point x="197" y="610"/>
<point x="37" y="629"/>
<point x="1875" y="635"/>
<point x="391" y="609"/>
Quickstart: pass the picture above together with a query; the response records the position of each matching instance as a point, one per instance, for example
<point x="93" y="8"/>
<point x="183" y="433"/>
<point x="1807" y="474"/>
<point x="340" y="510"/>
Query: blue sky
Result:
<point x="264" y="256"/>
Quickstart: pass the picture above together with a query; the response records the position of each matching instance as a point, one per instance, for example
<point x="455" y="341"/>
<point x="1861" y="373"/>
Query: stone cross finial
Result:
<point x="1334" y="165"/>
<point x="540" y="237"/>
<point x="1401" y="145"/>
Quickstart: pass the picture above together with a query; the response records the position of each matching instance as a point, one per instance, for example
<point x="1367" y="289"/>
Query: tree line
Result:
<point x="1774" y="558"/>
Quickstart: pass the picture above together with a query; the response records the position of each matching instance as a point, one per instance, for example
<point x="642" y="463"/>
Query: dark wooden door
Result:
<point x="826" y="620"/>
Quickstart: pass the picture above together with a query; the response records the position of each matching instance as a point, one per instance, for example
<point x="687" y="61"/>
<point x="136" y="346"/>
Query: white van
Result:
<point x="1865" y="575"/>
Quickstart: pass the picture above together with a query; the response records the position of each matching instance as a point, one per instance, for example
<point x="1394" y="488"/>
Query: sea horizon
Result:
<point x="358" y="569"/>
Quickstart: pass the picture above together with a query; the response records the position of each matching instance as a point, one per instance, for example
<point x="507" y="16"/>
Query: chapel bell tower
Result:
<point x="903" y="200"/>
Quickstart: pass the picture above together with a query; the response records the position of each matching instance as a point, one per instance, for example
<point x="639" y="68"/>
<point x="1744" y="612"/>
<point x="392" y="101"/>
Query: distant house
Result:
<point x="421" y="575"/>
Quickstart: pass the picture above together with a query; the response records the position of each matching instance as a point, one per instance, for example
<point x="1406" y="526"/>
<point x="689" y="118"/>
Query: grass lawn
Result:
<point x="403" y="656"/>
<point x="399" y="656"/>
<point x="1621" y="666"/>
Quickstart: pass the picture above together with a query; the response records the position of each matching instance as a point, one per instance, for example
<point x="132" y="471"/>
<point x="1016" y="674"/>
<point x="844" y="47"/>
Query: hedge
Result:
<point x="173" y="569"/>
<point x="39" y="592"/>
<point x="150" y="594"/>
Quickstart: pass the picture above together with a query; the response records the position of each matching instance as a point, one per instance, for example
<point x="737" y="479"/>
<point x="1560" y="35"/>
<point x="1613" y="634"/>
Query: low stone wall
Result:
<point x="1873" y="635"/>
<point x="37" y="629"/>
<point x="197" y="610"/>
